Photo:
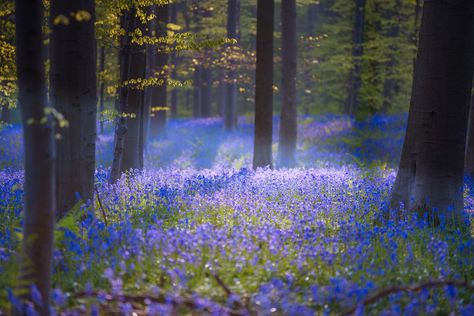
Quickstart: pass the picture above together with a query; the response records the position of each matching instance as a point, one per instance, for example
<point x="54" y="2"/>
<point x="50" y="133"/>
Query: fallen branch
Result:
<point x="409" y="288"/>
<point x="176" y="302"/>
<point x="101" y="206"/>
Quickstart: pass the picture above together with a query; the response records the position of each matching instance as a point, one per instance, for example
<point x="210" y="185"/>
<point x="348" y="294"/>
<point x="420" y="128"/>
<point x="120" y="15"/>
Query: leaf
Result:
<point x="82" y="16"/>
<point x="61" y="19"/>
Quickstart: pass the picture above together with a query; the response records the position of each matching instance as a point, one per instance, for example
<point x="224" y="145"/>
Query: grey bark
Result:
<point x="73" y="93"/>
<point x="197" y="92"/>
<point x="158" y="115"/>
<point x="206" y="92"/>
<point x="126" y="22"/>
<point x="39" y="185"/>
<point x="264" y="85"/>
<point x="230" y="92"/>
<point x="132" y="154"/>
<point x="431" y="167"/>
<point x="102" y="87"/>
<point x="469" y="157"/>
<point x="353" y="97"/>
<point x="288" y="116"/>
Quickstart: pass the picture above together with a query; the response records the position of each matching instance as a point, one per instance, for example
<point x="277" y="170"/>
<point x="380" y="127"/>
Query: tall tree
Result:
<point x="230" y="93"/>
<point x="288" y="116"/>
<point x="102" y="86"/>
<point x="132" y="154"/>
<point x="73" y="93"/>
<point x="39" y="185"/>
<point x="206" y="91"/>
<point x="6" y="113"/>
<point x="262" y="152"/>
<point x="353" y="95"/>
<point x="126" y="23"/>
<point x="174" y="62"/>
<point x="159" y="93"/>
<point x="390" y="85"/>
<point x="431" y="167"/>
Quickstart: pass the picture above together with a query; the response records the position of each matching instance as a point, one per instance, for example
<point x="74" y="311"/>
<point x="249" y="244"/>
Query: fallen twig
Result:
<point x="409" y="288"/>
<point x="176" y="302"/>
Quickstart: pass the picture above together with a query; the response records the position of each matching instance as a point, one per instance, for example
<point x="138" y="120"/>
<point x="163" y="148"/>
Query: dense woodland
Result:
<point x="235" y="157"/>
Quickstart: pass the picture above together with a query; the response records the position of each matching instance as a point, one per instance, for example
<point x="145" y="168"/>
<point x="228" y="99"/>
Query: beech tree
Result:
<point x="469" y="157"/>
<point x="353" y="95"/>
<point x="430" y="174"/>
<point x="73" y="93"/>
<point x="160" y="69"/>
<point x="38" y="135"/>
<point x="230" y="92"/>
<point x="262" y="152"/>
<point x="288" y="116"/>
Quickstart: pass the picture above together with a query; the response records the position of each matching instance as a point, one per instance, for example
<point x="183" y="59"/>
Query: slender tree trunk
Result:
<point x="390" y="86"/>
<point x="264" y="85"/>
<point x="197" y="92"/>
<point x="288" y="124"/>
<point x="230" y="92"/>
<point x="206" y="92"/>
<point x="126" y="22"/>
<point x="159" y="93"/>
<point x="102" y="87"/>
<point x="132" y="155"/>
<point x="174" y="64"/>
<point x="39" y="186"/>
<point x="6" y="114"/>
<point x="312" y="17"/>
<point x="431" y="169"/>
<point x="74" y="94"/>
<point x="469" y="157"/>
<point x="353" y="97"/>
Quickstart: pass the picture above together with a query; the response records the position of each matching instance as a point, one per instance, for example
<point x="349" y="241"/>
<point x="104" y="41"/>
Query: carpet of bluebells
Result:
<point x="199" y="231"/>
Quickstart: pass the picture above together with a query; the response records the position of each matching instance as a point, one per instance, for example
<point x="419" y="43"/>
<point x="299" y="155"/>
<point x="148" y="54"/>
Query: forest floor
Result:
<point x="199" y="231"/>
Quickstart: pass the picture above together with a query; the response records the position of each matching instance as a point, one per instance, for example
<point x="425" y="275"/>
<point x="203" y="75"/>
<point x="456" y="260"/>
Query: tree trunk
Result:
<point x="197" y="92"/>
<point x="431" y="168"/>
<point x="288" y="124"/>
<point x="469" y="157"/>
<point x="6" y="114"/>
<point x="39" y="186"/>
<point x="126" y="22"/>
<point x="159" y="96"/>
<point x="174" y="64"/>
<point x="353" y="97"/>
<point x="230" y="92"/>
<point x="264" y="85"/>
<point x="390" y="86"/>
<point x="132" y="155"/>
<point x="102" y="87"/>
<point x="74" y="94"/>
<point x="206" y="92"/>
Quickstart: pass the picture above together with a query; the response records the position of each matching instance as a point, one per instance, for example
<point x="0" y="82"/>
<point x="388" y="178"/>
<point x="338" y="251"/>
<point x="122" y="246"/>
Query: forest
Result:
<point x="236" y="157"/>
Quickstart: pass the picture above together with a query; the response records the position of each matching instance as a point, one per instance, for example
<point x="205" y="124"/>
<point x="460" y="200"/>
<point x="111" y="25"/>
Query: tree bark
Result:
<point x="391" y="86"/>
<point x="159" y="93"/>
<point x="126" y="23"/>
<point x="197" y="92"/>
<point x="6" y="114"/>
<point x="132" y="155"/>
<point x="74" y="94"/>
<point x="288" y="116"/>
<point x="230" y="92"/>
<point x="39" y="186"/>
<point x="469" y="157"/>
<point x="102" y="87"/>
<point x="174" y="64"/>
<point x="431" y="168"/>
<point x="206" y="92"/>
<point x="353" y="102"/>
<point x="264" y="85"/>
